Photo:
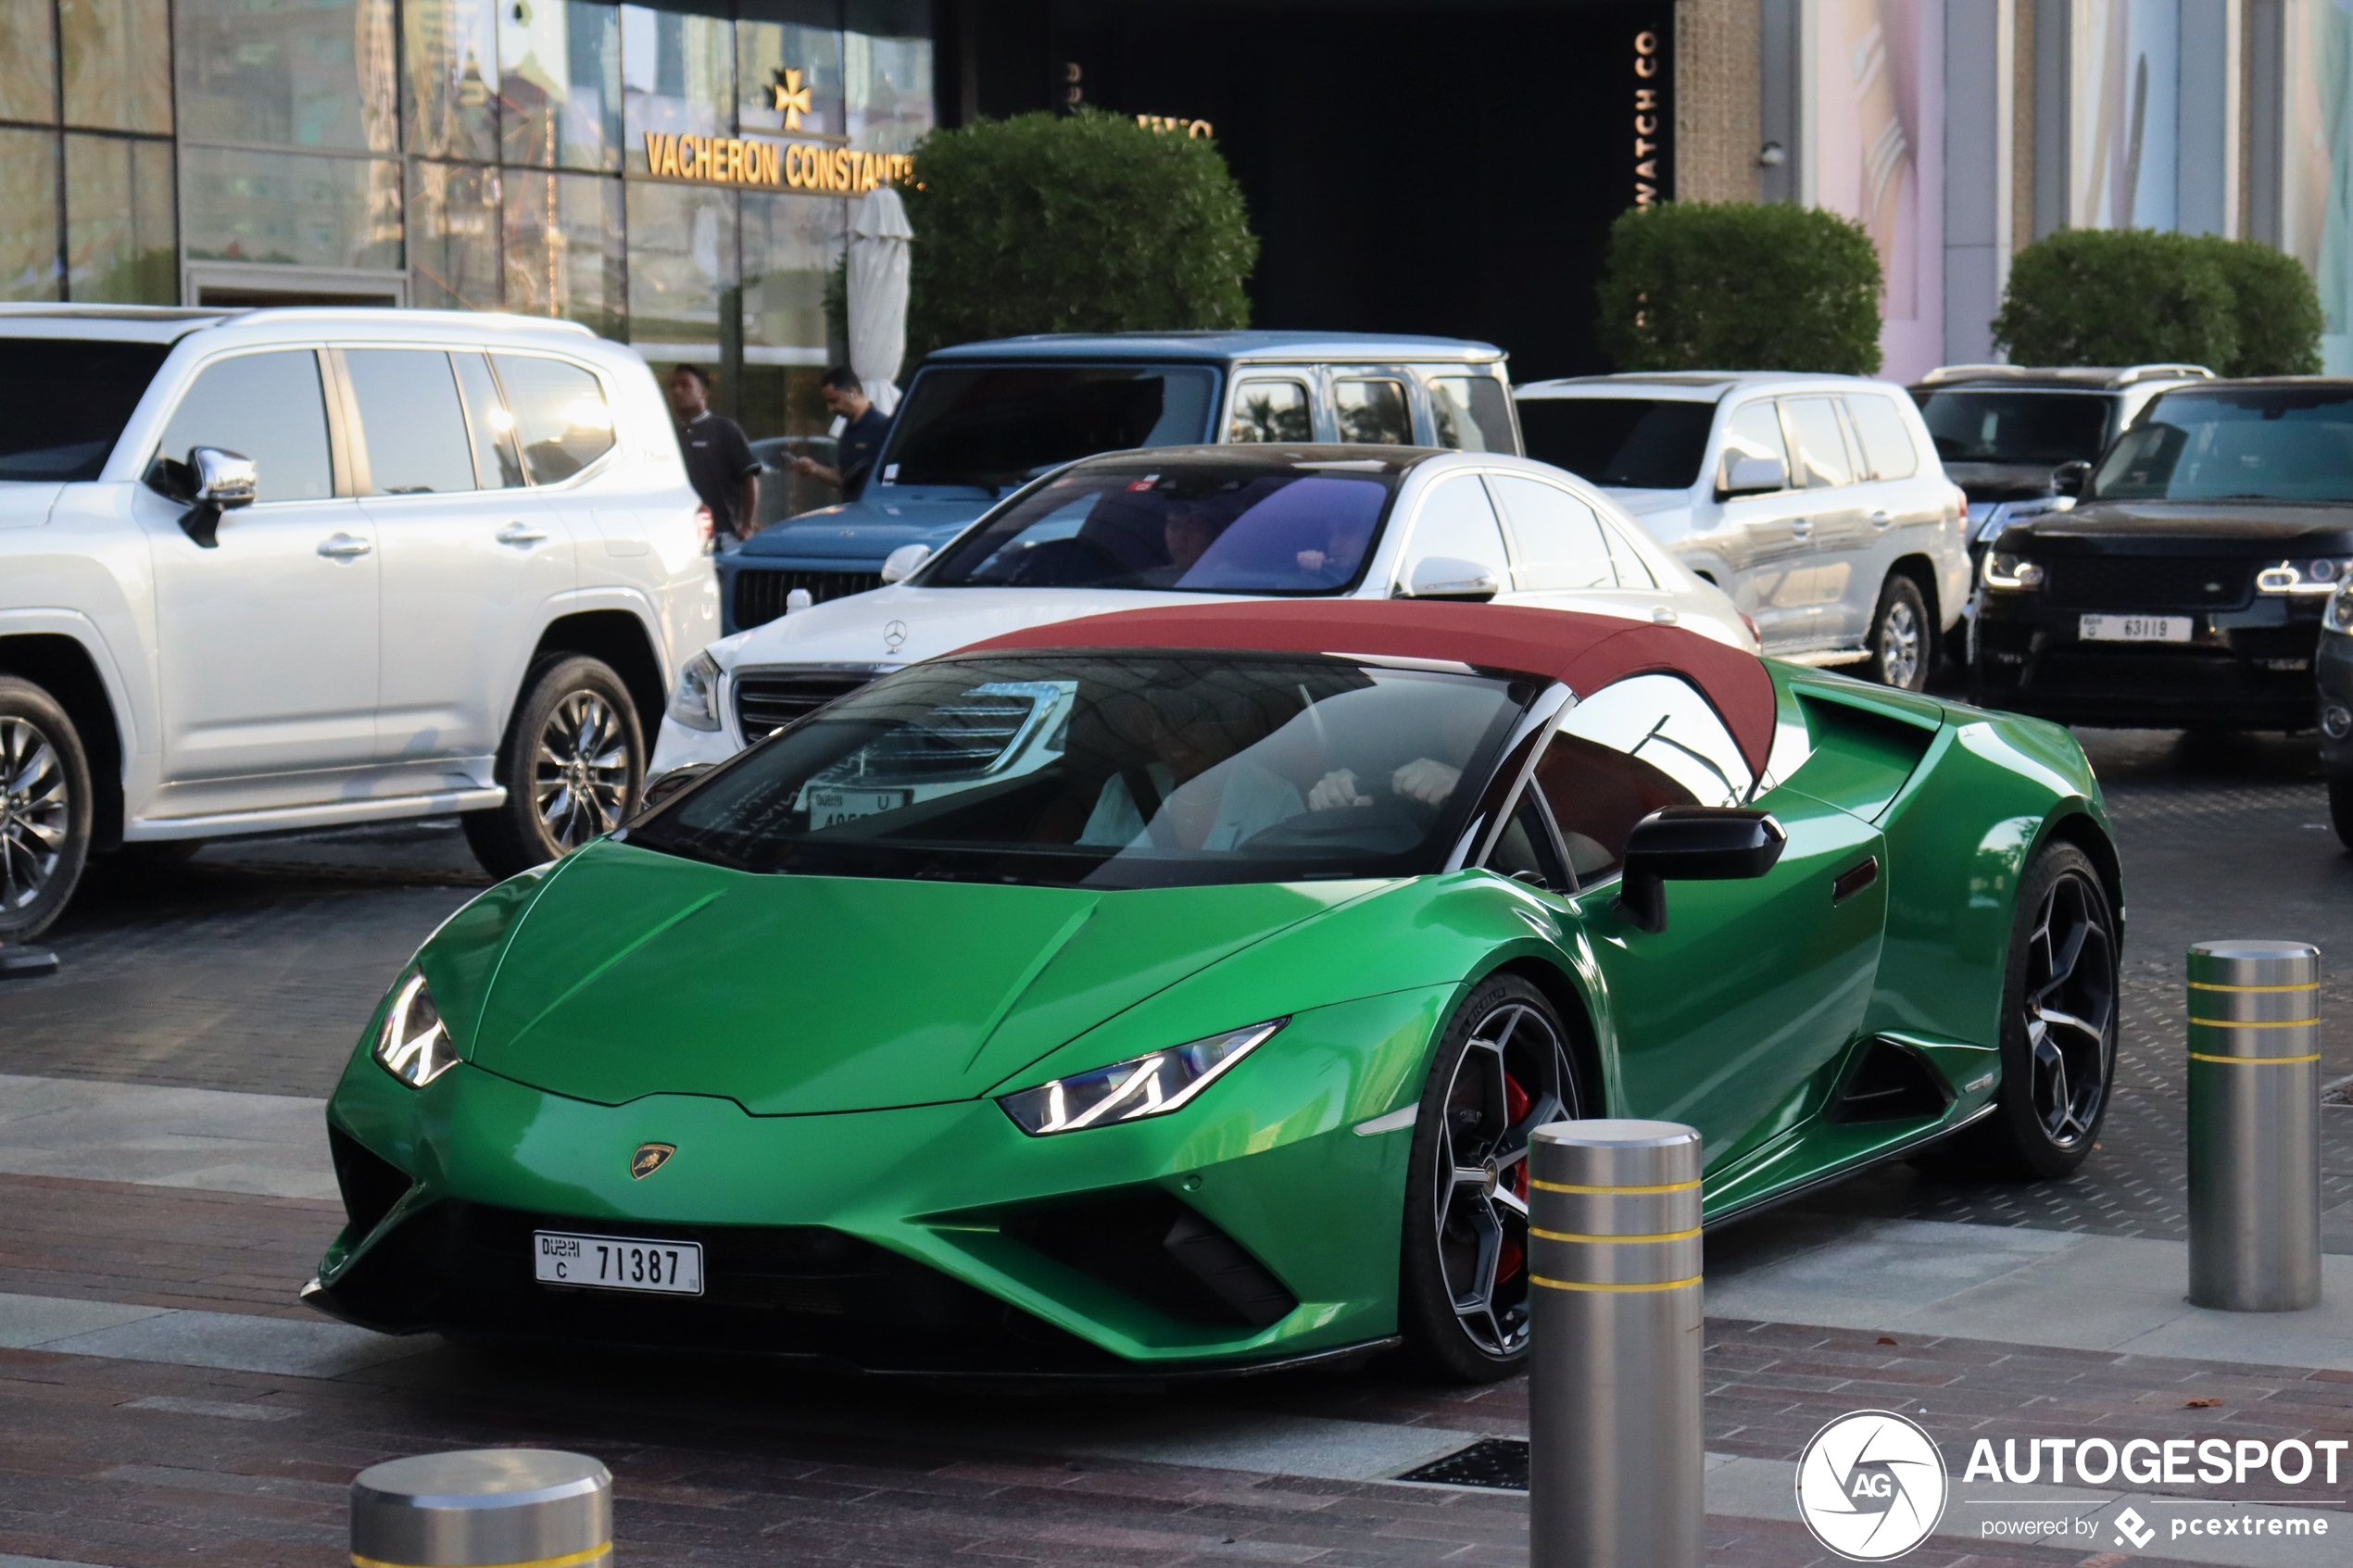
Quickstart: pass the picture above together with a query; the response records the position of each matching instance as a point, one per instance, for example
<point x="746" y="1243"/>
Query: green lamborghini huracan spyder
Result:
<point x="1175" y="991"/>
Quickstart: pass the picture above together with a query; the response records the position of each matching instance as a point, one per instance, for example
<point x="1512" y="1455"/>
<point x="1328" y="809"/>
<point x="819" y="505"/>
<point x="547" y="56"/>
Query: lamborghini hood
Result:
<point x="638" y="973"/>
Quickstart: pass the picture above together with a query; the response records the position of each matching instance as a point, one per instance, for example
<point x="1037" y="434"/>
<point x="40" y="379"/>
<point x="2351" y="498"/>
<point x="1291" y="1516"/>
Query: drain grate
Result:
<point x="1498" y="1464"/>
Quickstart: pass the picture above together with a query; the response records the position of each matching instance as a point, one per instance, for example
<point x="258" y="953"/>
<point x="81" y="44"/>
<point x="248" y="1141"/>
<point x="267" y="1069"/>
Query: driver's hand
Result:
<point x="1426" y="780"/>
<point x="1336" y="789"/>
<point x="1311" y="560"/>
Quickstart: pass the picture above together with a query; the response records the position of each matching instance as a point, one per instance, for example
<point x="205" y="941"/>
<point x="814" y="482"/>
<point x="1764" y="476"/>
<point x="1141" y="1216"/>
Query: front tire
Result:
<point x="1903" y="642"/>
<point x="45" y="810"/>
<point x="573" y="763"/>
<point x="1502" y="1071"/>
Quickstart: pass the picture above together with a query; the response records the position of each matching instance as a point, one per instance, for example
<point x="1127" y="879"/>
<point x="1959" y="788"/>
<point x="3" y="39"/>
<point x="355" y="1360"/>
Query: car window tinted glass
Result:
<point x="1372" y="413"/>
<point x="267" y="407"/>
<point x="560" y="419"/>
<point x="1271" y="410"/>
<point x="1207" y="522"/>
<point x="1111" y="770"/>
<point x="1458" y="521"/>
<point x="1887" y="440"/>
<point x="1753" y="431"/>
<point x="1817" y="444"/>
<point x="1471" y="412"/>
<point x="416" y="431"/>
<point x="63" y="403"/>
<point x="2038" y="428"/>
<point x="1524" y="850"/>
<point x="998" y="428"/>
<point x="1646" y="742"/>
<point x="1628" y="442"/>
<point x="1559" y="539"/>
<point x="498" y="465"/>
<point x="2268" y="444"/>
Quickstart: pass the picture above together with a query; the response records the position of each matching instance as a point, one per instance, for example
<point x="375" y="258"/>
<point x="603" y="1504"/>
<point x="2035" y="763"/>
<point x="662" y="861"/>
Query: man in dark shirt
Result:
<point x="861" y="438"/>
<point x="719" y="460"/>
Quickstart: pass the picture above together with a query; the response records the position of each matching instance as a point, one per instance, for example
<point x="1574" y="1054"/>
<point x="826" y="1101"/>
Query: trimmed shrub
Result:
<point x="1737" y="286"/>
<point x="1084" y="222"/>
<point x="2275" y="309"/>
<point x="2118" y="297"/>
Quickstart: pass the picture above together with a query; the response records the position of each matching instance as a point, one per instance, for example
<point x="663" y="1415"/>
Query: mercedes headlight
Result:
<point x="2338" y="616"/>
<point x="413" y="1044"/>
<point x="2301" y="577"/>
<point x="1131" y="1090"/>
<point x="696" y="702"/>
<point x="2004" y="569"/>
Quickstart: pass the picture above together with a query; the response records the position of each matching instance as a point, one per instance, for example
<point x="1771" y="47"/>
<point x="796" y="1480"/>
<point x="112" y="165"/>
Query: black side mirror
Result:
<point x="1693" y="844"/>
<point x="2068" y="478"/>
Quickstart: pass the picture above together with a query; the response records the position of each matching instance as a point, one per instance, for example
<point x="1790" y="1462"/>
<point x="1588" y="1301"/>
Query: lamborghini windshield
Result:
<point x="1111" y="769"/>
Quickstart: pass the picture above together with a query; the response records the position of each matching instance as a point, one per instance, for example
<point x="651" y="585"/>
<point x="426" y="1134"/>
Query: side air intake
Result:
<point x="1890" y="1082"/>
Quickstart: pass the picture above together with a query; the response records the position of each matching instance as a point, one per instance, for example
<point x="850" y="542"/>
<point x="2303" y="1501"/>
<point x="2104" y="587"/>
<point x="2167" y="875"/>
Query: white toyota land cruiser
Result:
<point x="285" y="569"/>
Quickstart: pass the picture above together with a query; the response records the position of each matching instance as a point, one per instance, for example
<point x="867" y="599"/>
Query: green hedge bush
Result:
<point x="2133" y="297"/>
<point x="1737" y="286"/>
<point x="1084" y="222"/>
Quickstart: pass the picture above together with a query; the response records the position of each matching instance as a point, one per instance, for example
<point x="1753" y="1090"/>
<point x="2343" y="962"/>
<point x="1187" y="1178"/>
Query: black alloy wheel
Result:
<point x="1502" y="1071"/>
<point x="45" y="810"/>
<point x="573" y="763"/>
<point x="2059" y="1019"/>
<point x="1903" y="642"/>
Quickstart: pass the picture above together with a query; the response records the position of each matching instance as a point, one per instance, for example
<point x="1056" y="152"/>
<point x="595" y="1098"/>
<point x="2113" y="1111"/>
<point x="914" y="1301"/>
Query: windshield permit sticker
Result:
<point x="890" y="473"/>
<point x="1136" y="487"/>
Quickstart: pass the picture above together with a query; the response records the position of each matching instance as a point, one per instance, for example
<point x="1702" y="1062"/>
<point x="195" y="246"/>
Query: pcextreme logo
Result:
<point x="1870" y="1485"/>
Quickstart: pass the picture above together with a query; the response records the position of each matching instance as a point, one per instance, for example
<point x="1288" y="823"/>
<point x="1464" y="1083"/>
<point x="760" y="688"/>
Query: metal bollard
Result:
<point x="1615" y="1467"/>
<point x="2255" y="1125"/>
<point x="528" y="1508"/>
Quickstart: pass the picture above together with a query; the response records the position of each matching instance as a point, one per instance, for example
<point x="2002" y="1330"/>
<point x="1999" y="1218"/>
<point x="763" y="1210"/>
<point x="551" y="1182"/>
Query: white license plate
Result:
<point x="617" y="1262"/>
<point x="827" y="807"/>
<point x="2135" y="629"/>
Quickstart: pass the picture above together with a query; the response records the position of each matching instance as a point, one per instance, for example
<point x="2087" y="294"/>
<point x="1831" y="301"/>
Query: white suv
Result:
<point x="1817" y="502"/>
<point x="286" y="568"/>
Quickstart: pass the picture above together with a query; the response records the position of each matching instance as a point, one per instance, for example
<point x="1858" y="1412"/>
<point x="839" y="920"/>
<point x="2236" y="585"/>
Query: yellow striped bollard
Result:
<point x="1615" y="1450"/>
<point x="2255" y="1125"/>
<point x="477" y="1508"/>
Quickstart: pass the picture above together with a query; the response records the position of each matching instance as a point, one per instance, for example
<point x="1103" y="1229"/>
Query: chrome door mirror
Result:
<point x="1445" y="577"/>
<point x="221" y="481"/>
<point x="1754" y="476"/>
<point x="900" y="563"/>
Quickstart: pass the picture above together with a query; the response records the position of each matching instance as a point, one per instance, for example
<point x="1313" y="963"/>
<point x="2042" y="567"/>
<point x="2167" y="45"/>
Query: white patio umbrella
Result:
<point x="878" y="237"/>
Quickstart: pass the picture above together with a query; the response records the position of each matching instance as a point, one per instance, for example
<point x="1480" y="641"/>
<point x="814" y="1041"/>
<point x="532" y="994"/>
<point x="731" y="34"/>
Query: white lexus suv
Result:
<point x="285" y="569"/>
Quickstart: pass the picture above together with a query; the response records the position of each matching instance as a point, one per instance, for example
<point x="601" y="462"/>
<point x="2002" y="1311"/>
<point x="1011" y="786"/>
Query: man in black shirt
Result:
<point x="719" y="460"/>
<point x="861" y="438"/>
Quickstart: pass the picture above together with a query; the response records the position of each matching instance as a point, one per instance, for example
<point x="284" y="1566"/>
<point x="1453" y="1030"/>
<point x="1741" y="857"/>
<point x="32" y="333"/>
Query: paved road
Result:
<point x="162" y="1397"/>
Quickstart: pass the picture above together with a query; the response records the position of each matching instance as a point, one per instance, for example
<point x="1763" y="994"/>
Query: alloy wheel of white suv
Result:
<point x="45" y="809"/>
<point x="573" y="763"/>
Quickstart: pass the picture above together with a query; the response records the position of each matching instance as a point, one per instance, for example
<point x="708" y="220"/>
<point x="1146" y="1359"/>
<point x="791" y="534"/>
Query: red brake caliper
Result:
<point x="1513" y="1251"/>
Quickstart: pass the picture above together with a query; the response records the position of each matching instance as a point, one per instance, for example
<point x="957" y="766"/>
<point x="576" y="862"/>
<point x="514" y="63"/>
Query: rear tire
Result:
<point x="1501" y="1069"/>
<point x="45" y="809"/>
<point x="573" y="763"/>
<point x="1903" y="643"/>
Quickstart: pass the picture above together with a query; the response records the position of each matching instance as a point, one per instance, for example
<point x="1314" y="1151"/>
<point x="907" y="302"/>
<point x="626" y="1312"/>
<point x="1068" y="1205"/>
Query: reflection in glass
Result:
<point x="887" y="74"/>
<point x="119" y="244"/>
<point x="266" y="407"/>
<point x="678" y="77"/>
<point x="451" y="53"/>
<point x="304" y="73"/>
<point x="28" y="214"/>
<point x="497" y="465"/>
<point x="117" y="63"/>
<point x="28" y="64"/>
<point x="453" y="236"/>
<point x="410" y="422"/>
<point x="292" y="207"/>
<point x="682" y="258"/>
<point x="563" y="249"/>
<point x="1373" y="412"/>
<point x="559" y="84"/>
<point x="789" y="247"/>
<point x="788" y="75"/>
<point x="561" y="419"/>
<point x="1270" y="410"/>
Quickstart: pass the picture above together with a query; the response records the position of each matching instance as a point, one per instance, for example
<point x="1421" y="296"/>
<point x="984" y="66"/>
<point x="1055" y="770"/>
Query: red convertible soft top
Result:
<point x="1583" y="652"/>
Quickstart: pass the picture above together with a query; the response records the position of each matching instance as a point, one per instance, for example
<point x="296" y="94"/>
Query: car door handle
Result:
<point x="520" y="533"/>
<point x="1661" y="616"/>
<point x="1803" y="527"/>
<point x="1881" y="519"/>
<point x="344" y="545"/>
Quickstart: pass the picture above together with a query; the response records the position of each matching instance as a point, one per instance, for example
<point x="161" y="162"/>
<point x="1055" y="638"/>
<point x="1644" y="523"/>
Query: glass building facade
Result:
<point x="484" y="155"/>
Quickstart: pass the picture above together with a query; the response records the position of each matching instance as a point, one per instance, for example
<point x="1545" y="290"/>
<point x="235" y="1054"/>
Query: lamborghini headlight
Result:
<point x="1131" y="1090"/>
<point x="414" y="1044"/>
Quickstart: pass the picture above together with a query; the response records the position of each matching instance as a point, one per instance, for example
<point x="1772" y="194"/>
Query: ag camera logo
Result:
<point x="1871" y="1485"/>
